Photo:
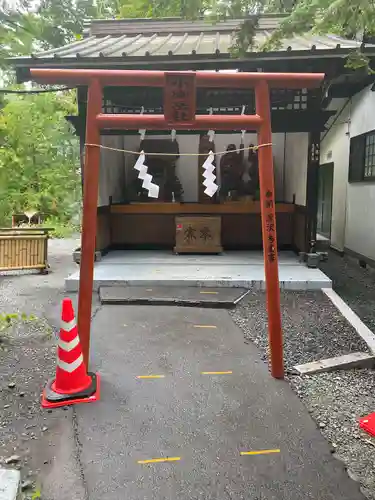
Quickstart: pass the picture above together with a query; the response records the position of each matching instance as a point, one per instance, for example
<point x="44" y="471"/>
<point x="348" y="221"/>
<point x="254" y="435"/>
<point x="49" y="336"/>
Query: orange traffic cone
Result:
<point x="72" y="383"/>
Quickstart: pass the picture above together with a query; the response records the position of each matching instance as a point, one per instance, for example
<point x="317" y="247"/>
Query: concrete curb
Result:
<point x="347" y="361"/>
<point x="10" y="484"/>
<point x="363" y="331"/>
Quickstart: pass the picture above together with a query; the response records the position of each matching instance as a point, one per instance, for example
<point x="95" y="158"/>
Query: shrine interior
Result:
<point x="129" y="219"/>
<point x="184" y="218"/>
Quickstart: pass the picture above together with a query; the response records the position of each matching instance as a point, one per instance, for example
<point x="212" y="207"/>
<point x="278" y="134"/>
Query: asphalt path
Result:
<point x="197" y="425"/>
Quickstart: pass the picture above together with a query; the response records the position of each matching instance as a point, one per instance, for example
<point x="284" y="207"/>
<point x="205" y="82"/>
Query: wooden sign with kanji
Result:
<point x="198" y="234"/>
<point x="179" y="98"/>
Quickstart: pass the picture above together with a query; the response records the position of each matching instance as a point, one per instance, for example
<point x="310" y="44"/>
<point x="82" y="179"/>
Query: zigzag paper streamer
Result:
<point x="209" y="176"/>
<point x="152" y="189"/>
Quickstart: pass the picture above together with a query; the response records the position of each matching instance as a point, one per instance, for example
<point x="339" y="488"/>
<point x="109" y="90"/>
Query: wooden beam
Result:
<point x="158" y="122"/>
<point x="251" y="207"/>
<point x="148" y="78"/>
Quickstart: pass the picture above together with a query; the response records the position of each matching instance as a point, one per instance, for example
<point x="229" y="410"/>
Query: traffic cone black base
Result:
<point x="53" y="399"/>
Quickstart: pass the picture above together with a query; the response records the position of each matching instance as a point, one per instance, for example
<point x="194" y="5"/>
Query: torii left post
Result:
<point x="89" y="215"/>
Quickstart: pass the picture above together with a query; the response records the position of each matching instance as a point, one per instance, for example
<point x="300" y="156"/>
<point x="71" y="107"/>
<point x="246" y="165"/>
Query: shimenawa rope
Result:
<point x="127" y="151"/>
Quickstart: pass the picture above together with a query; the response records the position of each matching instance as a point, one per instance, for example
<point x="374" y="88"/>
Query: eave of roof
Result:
<point x="125" y="43"/>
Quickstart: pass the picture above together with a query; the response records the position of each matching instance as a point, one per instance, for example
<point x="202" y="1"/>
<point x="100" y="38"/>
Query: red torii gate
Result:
<point x="179" y="114"/>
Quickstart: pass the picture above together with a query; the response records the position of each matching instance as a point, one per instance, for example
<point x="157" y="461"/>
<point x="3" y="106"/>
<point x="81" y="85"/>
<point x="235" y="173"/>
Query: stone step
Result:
<point x="217" y="298"/>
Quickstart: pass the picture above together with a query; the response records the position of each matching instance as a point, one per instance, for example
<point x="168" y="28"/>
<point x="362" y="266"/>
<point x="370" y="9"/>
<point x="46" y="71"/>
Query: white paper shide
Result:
<point x="152" y="189"/>
<point x="209" y="176"/>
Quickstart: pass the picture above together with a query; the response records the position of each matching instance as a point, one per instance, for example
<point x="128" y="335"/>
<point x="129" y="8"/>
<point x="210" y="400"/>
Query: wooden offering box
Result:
<point x="198" y="234"/>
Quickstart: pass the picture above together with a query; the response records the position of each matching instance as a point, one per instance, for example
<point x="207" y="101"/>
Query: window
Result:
<point x="362" y="157"/>
<point x="369" y="156"/>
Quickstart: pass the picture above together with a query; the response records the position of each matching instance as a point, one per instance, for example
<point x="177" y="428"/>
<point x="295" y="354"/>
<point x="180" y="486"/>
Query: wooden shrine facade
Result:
<point x="171" y="45"/>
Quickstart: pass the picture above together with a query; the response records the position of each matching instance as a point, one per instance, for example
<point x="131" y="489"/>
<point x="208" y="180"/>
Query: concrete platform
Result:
<point x="231" y="269"/>
<point x="214" y="298"/>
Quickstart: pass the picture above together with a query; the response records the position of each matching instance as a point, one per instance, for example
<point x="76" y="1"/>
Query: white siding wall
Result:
<point x="353" y="203"/>
<point x="360" y="234"/>
<point x="112" y="170"/>
<point x="296" y="149"/>
<point x="290" y="163"/>
<point x="335" y="148"/>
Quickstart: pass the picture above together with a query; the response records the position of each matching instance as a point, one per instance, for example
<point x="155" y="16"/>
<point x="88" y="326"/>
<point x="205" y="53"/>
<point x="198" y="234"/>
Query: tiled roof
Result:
<point x="139" y="38"/>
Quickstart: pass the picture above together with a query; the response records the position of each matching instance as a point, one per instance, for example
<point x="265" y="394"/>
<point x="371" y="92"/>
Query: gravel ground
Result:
<point x="27" y="360"/>
<point x="335" y="401"/>
<point x="33" y="293"/>
<point x="354" y="284"/>
<point x="314" y="329"/>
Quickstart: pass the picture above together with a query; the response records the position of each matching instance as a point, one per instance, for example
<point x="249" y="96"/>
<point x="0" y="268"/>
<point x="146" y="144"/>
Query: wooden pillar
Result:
<point x="312" y="188"/>
<point x="81" y="128"/>
<point x="82" y="156"/>
<point x="90" y="202"/>
<point x="313" y="159"/>
<point x="268" y="213"/>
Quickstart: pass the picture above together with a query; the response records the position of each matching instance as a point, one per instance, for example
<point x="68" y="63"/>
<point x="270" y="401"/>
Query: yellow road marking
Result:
<point x="159" y="460"/>
<point x="150" y="376"/>
<point x="205" y="326"/>
<point x="216" y="373"/>
<point x="212" y="293"/>
<point x="260" y="452"/>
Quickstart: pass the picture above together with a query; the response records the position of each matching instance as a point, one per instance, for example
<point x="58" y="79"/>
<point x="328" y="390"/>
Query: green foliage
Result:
<point x="24" y="28"/>
<point x="62" y="21"/>
<point x="60" y="228"/>
<point x="39" y="156"/>
<point x="188" y="9"/>
<point x="342" y="17"/>
<point x="53" y="23"/>
<point x="8" y="320"/>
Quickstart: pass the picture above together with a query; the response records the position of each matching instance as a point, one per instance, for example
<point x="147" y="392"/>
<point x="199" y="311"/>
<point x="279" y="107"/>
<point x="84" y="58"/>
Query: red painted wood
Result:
<point x="144" y="78"/>
<point x="90" y="202"/>
<point x="180" y="98"/>
<point x="158" y="122"/>
<point x="268" y="214"/>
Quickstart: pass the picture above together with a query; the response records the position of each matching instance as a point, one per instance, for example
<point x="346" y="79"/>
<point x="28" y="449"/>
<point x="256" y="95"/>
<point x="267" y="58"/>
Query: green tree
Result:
<point x="39" y="156"/>
<point x="18" y="30"/>
<point x="186" y="9"/>
<point x="25" y="28"/>
<point x="347" y="18"/>
<point x="350" y="19"/>
<point x="61" y="21"/>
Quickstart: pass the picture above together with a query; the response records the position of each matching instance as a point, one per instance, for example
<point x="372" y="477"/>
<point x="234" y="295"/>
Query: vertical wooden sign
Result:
<point x="179" y="98"/>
